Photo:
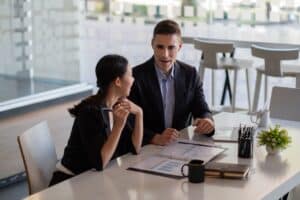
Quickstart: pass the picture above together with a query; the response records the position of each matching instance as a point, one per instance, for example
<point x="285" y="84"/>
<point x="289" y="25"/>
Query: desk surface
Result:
<point x="271" y="176"/>
<point x="245" y="36"/>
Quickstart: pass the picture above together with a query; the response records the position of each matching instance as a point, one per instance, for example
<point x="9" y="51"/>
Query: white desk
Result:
<point x="272" y="177"/>
<point x="241" y="43"/>
<point x="245" y="36"/>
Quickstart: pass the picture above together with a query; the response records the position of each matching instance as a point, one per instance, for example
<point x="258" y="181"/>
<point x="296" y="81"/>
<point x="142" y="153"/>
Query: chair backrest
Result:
<point x="39" y="156"/>
<point x="187" y="40"/>
<point x="285" y="103"/>
<point x="209" y="51"/>
<point x="273" y="57"/>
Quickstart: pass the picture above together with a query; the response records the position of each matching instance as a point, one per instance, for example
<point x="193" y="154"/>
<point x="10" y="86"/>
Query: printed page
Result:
<point x="160" y="165"/>
<point x="186" y="152"/>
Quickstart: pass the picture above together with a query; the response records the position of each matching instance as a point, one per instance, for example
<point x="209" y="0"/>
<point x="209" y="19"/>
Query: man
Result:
<point x="169" y="91"/>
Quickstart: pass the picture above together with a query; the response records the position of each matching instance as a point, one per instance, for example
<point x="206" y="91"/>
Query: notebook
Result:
<point x="226" y="170"/>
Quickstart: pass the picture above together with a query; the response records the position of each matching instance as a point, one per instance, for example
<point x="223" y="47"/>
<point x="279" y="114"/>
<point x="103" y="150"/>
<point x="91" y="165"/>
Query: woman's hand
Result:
<point x="130" y="106"/>
<point x="120" y="114"/>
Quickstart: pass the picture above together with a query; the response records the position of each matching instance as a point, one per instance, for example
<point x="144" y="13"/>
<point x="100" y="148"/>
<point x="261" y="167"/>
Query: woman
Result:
<point x="101" y="130"/>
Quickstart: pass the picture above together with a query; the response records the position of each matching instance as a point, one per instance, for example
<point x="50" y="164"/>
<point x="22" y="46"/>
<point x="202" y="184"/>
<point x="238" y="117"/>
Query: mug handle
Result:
<point x="182" y="169"/>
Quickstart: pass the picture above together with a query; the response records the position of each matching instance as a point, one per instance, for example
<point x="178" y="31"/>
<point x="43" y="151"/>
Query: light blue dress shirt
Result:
<point x="167" y="89"/>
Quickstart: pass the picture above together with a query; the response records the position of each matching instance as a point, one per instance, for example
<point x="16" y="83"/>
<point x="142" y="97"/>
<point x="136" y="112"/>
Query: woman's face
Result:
<point x="126" y="82"/>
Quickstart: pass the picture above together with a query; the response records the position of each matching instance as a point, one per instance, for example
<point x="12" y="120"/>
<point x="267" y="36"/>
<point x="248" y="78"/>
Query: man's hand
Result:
<point x="203" y="125"/>
<point x="168" y="136"/>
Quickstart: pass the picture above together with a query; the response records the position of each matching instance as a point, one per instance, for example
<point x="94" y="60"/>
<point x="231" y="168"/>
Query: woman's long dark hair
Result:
<point x="108" y="68"/>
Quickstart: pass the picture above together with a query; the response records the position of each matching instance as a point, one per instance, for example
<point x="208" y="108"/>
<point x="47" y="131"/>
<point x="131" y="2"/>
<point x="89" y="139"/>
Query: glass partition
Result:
<point x="39" y="47"/>
<point x="47" y="45"/>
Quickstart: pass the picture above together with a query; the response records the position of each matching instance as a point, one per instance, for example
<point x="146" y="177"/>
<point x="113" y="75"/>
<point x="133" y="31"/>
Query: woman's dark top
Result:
<point x="89" y="133"/>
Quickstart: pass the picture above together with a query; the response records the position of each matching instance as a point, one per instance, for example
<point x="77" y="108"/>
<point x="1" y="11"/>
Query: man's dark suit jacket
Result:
<point x="189" y="97"/>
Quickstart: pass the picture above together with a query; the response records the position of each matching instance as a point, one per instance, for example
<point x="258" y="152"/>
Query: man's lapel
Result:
<point x="180" y="89"/>
<point x="155" y="89"/>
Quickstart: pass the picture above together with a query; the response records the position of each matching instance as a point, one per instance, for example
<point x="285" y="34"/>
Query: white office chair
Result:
<point x="274" y="67"/>
<point x="294" y="194"/>
<point x="211" y="60"/>
<point x="39" y="156"/>
<point x="285" y="103"/>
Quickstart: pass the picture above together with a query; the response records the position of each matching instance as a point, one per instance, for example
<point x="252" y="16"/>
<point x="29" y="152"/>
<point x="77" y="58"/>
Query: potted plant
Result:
<point x="275" y="139"/>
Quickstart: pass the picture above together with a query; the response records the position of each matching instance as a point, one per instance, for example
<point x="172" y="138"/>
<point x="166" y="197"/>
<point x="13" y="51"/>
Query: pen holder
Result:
<point x="245" y="142"/>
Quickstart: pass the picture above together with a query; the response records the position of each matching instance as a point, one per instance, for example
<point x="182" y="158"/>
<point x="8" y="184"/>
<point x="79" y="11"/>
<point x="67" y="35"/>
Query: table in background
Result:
<point x="244" y="37"/>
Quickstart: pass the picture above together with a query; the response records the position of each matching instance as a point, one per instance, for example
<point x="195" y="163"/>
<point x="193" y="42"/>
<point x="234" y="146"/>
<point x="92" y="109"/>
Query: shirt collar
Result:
<point x="162" y="75"/>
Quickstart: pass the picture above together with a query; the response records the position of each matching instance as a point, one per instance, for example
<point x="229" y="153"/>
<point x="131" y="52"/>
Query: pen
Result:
<point x="199" y="144"/>
<point x="107" y="109"/>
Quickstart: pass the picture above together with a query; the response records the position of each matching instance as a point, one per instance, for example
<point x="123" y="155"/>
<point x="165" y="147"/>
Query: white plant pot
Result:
<point x="272" y="151"/>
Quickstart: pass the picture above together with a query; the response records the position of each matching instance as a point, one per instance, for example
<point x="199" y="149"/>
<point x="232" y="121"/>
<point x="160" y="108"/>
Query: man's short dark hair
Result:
<point x="166" y="27"/>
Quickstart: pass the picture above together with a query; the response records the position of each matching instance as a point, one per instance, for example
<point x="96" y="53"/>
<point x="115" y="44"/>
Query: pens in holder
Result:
<point x="245" y="141"/>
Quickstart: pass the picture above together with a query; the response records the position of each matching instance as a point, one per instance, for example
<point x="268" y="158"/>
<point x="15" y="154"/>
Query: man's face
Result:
<point x="165" y="47"/>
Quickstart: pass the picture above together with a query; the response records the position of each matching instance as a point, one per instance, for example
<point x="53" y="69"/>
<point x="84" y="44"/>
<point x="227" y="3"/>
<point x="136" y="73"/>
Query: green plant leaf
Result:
<point x="274" y="137"/>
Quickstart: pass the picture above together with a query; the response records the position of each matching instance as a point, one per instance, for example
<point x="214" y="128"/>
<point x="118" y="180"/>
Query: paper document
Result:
<point x="185" y="151"/>
<point x="226" y="134"/>
<point x="161" y="165"/>
<point x="169" y="161"/>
